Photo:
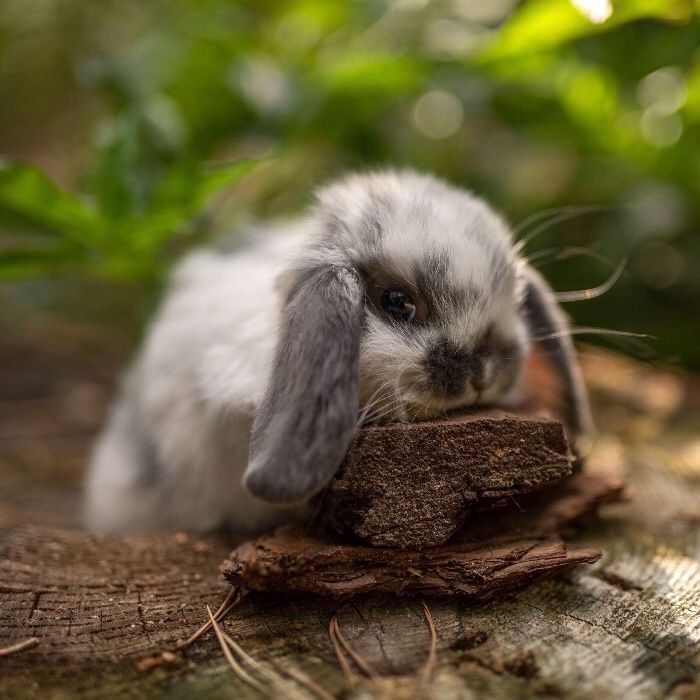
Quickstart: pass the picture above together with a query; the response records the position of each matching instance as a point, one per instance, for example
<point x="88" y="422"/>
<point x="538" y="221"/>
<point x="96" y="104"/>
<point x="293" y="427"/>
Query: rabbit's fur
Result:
<point x="263" y="361"/>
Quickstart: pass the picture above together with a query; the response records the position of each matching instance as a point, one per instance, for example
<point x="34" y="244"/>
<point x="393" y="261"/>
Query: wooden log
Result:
<point x="414" y="485"/>
<point x="475" y="568"/>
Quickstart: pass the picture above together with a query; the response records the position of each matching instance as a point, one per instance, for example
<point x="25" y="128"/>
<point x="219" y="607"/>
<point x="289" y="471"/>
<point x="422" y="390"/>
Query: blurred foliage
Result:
<point x="585" y="111"/>
<point x="121" y="236"/>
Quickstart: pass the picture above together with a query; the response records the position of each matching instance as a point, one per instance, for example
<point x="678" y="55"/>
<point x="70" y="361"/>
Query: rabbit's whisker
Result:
<point x="559" y="253"/>
<point x="385" y="409"/>
<point x="564" y="216"/>
<point x="541" y="214"/>
<point x="593" y="292"/>
<point x="585" y="330"/>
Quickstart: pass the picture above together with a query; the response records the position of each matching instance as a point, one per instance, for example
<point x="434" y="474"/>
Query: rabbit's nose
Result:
<point x="449" y="368"/>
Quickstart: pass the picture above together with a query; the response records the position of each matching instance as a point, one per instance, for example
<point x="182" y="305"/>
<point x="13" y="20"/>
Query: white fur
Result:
<point x="193" y="389"/>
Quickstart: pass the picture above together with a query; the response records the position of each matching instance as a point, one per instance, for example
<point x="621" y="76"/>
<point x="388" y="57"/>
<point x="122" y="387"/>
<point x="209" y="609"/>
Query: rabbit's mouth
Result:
<point x="429" y="405"/>
<point x="412" y="396"/>
<point x="423" y="397"/>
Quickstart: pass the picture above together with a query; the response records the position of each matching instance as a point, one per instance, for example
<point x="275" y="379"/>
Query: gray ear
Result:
<point x="549" y="328"/>
<point x="306" y="420"/>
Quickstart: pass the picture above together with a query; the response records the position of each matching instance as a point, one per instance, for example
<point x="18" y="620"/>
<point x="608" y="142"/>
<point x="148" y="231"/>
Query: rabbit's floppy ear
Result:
<point x="308" y="415"/>
<point x="549" y="330"/>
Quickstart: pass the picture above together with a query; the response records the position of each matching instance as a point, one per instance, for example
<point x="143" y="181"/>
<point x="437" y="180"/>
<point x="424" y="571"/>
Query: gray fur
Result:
<point x="550" y="330"/>
<point x="449" y="367"/>
<point x="308" y="414"/>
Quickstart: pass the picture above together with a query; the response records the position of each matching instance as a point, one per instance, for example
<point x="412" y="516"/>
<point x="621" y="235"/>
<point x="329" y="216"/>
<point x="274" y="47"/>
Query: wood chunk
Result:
<point x="483" y="564"/>
<point x="414" y="485"/>
<point x="292" y="562"/>
<point x="557" y="508"/>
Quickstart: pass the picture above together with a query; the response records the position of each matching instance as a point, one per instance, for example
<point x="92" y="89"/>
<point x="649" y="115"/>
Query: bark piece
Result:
<point x="290" y="561"/>
<point x="507" y="553"/>
<point x="557" y="508"/>
<point x="414" y="485"/>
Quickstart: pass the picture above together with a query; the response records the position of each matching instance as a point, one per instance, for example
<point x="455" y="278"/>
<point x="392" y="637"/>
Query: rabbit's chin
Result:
<point x="412" y="404"/>
<point x="411" y="409"/>
<point x="435" y="407"/>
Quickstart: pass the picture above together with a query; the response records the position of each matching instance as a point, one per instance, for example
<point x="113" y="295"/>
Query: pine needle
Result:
<point x="237" y="668"/>
<point x="429" y="667"/>
<point x="593" y="292"/>
<point x="285" y="689"/>
<point x="220" y="614"/>
<point x="303" y="680"/>
<point x="359" y="661"/>
<point x="20" y="646"/>
<point x="348" y="673"/>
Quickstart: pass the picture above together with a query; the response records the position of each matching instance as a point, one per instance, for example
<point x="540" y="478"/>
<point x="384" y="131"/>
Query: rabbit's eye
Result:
<point x="398" y="305"/>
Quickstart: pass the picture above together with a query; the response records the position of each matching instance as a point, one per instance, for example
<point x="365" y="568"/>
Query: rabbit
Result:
<point x="397" y="297"/>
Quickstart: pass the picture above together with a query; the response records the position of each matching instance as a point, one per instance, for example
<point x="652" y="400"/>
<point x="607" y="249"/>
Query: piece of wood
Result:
<point x="293" y="562"/>
<point x="507" y="552"/>
<point x="558" y="508"/>
<point x="414" y="485"/>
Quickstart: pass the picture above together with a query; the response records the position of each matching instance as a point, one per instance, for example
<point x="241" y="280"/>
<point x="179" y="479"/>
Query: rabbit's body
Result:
<point x="176" y="446"/>
<point x="398" y="297"/>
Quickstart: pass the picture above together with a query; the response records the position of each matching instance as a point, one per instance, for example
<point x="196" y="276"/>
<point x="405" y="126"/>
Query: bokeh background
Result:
<point x="133" y="129"/>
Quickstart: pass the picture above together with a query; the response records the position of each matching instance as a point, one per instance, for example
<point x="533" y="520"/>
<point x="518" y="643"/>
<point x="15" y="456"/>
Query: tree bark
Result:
<point x="504" y="553"/>
<point x="414" y="485"/>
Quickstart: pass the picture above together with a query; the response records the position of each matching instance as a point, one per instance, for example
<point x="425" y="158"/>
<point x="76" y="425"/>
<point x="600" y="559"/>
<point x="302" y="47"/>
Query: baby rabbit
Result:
<point x="398" y="297"/>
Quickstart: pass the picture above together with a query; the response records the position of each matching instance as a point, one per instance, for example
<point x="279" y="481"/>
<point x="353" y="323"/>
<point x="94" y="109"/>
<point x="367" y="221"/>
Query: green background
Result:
<point x="131" y="130"/>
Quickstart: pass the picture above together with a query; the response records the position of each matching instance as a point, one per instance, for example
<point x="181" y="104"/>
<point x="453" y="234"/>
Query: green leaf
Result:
<point x="368" y="73"/>
<point x="41" y="262"/>
<point x="115" y="182"/>
<point x="188" y="187"/>
<point x="130" y="167"/>
<point x="184" y="193"/>
<point x="128" y="249"/>
<point x="29" y="200"/>
<point x="541" y="25"/>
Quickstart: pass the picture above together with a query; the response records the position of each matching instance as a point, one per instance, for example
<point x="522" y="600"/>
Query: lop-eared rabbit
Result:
<point x="398" y="297"/>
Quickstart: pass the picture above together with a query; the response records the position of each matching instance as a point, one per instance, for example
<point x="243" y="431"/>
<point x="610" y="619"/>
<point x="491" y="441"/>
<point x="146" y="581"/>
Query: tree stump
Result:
<point x="623" y="627"/>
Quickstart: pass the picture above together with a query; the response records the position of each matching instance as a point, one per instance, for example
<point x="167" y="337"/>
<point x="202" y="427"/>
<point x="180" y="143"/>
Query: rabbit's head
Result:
<point x="408" y="301"/>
